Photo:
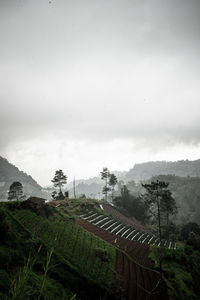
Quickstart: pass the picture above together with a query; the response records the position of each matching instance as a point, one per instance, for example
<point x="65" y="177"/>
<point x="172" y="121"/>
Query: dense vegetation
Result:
<point x="45" y="254"/>
<point x="181" y="269"/>
<point x="51" y="257"/>
<point x="132" y="206"/>
<point x="186" y="191"/>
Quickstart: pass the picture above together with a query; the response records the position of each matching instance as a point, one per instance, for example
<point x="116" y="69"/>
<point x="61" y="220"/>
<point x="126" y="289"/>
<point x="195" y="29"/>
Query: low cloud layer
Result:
<point x="104" y="75"/>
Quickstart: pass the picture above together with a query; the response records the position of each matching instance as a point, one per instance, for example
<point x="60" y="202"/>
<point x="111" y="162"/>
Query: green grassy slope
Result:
<point x="48" y="258"/>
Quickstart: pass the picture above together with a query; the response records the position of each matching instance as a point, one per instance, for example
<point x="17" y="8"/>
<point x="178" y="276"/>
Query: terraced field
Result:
<point x="122" y="229"/>
<point x="127" y="266"/>
<point x="133" y="267"/>
<point x="75" y="245"/>
<point x="116" y="214"/>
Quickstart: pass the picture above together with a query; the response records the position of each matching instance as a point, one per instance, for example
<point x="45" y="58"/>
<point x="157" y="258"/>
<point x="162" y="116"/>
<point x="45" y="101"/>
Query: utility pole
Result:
<point x="74" y="188"/>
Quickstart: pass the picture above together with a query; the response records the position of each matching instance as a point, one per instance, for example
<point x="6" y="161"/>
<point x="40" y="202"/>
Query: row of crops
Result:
<point x="139" y="280"/>
<point x="92" y="257"/>
<point x="127" y="231"/>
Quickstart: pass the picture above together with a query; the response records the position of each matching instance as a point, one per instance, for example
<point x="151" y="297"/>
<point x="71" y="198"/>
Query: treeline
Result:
<point x="185" y="190"/>
<point x="131" y="205"/>
<point x="154" y="204"/>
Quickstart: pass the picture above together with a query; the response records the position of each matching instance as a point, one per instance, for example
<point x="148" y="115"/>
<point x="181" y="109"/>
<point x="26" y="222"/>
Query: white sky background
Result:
<point x="88" y="84"/>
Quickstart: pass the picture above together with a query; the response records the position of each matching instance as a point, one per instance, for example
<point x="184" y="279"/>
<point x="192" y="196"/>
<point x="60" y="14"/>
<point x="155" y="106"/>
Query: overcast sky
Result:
<point x="87" y="83"/>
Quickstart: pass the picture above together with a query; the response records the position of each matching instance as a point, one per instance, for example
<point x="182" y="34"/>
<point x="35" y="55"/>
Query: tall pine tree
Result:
<point x="112" y="183"/>
<point x="105" y="175"/>
<point x="59" y="180"/>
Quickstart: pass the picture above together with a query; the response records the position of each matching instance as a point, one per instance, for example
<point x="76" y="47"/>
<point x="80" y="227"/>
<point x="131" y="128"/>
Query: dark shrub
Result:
<point x="102" y="254"/>
<point x="4" y="281"/>
<point x="189" y="227"/>
<point x="4" y="227"/>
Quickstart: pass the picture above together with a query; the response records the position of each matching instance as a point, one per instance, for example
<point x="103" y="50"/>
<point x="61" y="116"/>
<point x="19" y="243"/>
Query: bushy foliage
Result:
<point x="15" y="191"/>
<point x="194" y="240"/>
<point x="186" y="192"/>
<point x="46" y="258"/>
<point x="181" y="269"/>
<point x="102" y="254"/>
<point x="59" y="180"/>
<point x="161" y="206"/>
<point x="4" y="226"/>
<point x="5" y="282"/>
<point x="12" y="205"/>
<point x="133" y="206"/>
<point x="188" y="228"/>
<point x="190" y="233"/>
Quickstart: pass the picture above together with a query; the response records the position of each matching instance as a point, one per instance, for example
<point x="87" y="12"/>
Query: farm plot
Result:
<point x="121" y="229"/>
<point x="94" y="258"/>
<point x="132" y="248"/>
<point x="138" y="282"/>
<point x="116" y="214"/>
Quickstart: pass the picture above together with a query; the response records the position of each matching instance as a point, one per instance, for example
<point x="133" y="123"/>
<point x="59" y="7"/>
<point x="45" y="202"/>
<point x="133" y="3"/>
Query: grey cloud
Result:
<point x="100" y="70"/>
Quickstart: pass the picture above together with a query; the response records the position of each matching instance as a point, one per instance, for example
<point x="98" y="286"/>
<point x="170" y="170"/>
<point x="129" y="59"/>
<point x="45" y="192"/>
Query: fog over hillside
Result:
<point x="93" y="186"/>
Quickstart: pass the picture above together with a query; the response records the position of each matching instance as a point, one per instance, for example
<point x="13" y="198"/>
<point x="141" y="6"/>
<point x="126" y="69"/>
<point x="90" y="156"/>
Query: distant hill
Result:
<point x="146" y="170"/>
<point x="10" y="173"/>
<point x="92" y="187"/>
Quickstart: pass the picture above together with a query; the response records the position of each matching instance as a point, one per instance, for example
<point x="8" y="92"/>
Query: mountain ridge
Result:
<point x="10" y="173"/>
<point x="181" y="168"/>
<point x="142" y="171"/>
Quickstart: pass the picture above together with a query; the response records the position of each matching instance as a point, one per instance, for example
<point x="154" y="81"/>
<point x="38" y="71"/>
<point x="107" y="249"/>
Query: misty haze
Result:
<point x="99" y="149"/>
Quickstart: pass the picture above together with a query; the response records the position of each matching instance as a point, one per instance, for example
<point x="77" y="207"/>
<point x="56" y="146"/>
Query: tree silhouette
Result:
<point x="15" y="191"/>
<point x="168" y="207"/>
<point x="105" y="174"/>
<point x="59" y="180"/>
<point x="112" y="183"/>
<point x="161" y="205"/>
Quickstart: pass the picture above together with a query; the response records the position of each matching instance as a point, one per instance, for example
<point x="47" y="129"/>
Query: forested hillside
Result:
<point x="92" y="187"/>
<point x="180" y="168"/>
<point x="186" y="191"/>
<point x="9" y="173"/>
